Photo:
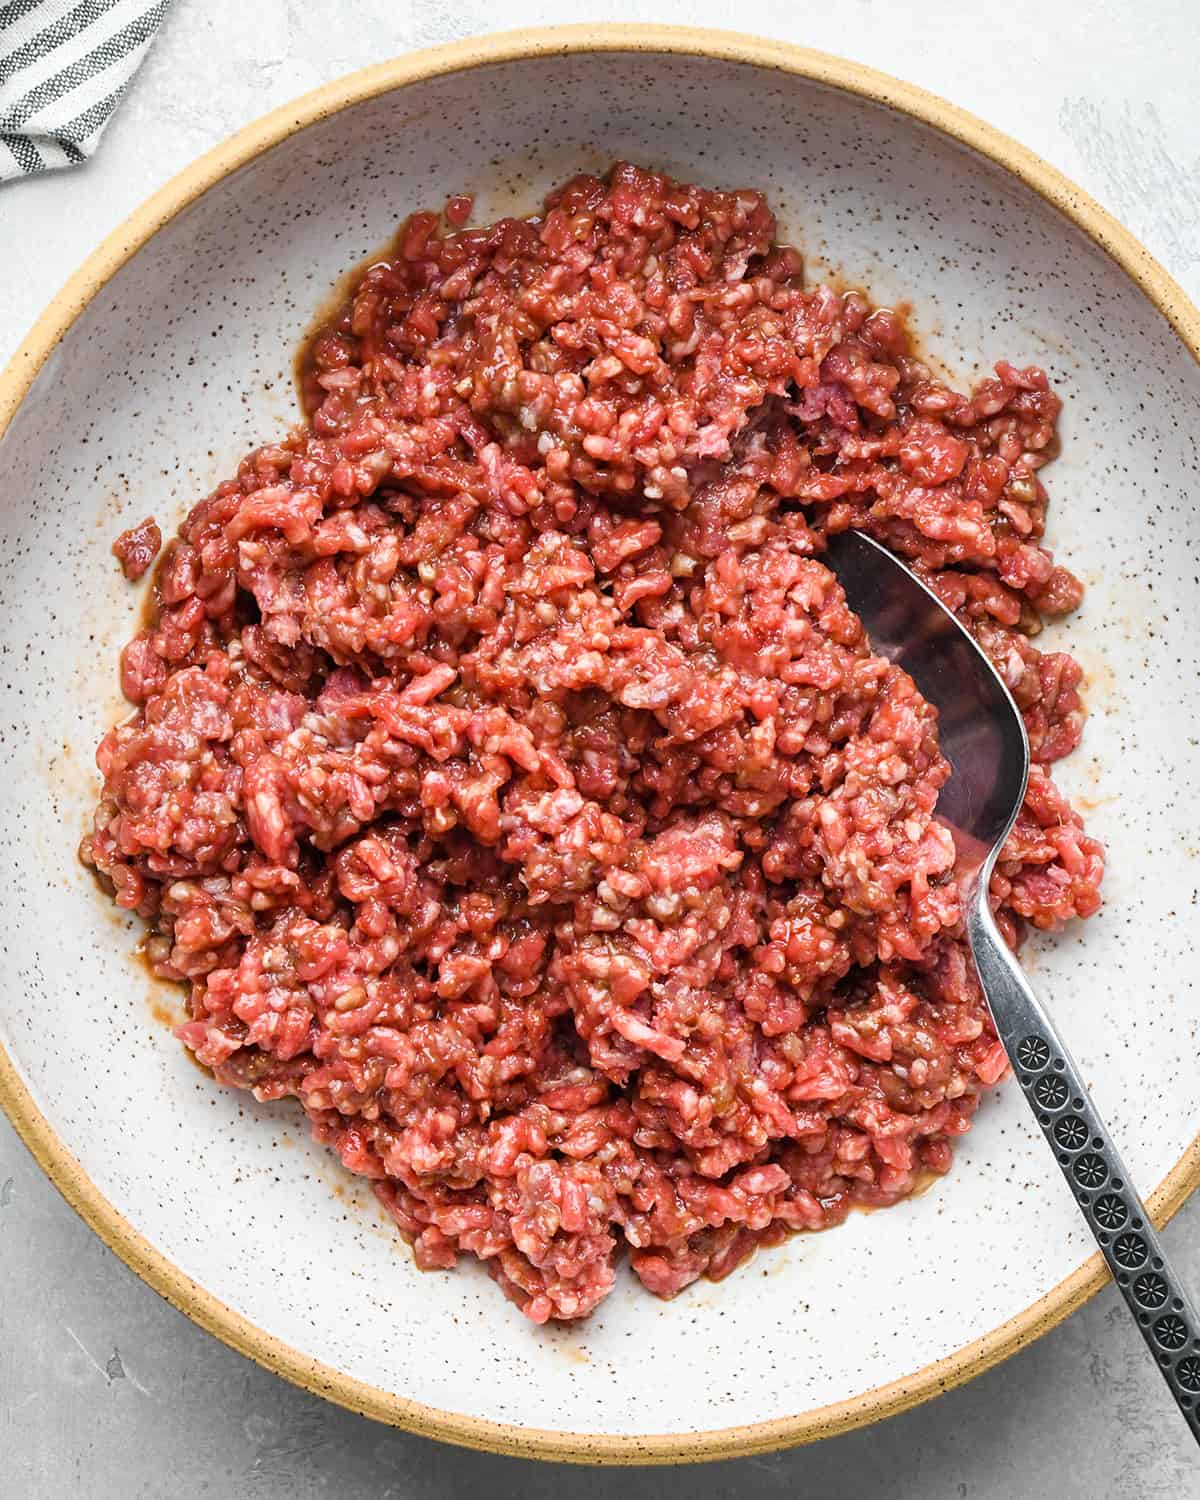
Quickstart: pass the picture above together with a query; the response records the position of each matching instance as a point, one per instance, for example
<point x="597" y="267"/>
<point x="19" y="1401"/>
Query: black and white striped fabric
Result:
<point x="64" y="65"/>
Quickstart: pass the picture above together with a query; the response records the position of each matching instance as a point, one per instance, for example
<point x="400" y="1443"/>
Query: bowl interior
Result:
<point x="183" y="361"/>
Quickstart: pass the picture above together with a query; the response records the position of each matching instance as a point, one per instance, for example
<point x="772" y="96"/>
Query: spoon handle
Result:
<point x="1082" y="1147"/>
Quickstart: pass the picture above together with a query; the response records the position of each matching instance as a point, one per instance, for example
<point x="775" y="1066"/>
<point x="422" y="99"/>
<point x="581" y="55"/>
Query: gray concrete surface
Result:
<point x="105" y="1391"/>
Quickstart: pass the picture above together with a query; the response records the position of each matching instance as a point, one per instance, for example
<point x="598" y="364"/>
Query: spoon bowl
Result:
<point x="980" y="727"/>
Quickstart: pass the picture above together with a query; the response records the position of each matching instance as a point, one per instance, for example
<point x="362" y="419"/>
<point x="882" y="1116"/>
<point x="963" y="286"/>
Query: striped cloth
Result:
<point x="64" y="65"/>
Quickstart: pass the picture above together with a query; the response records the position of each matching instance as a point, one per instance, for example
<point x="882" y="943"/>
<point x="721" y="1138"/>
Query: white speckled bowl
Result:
<point x="169" y="354"/>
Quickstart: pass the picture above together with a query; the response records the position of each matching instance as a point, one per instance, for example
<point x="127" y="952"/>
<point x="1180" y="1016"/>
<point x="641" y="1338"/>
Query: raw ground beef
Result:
<point x="137" y="548"/>
<point x="511" y="784"/>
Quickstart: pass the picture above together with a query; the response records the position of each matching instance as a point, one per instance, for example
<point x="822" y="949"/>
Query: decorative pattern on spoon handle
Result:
<point x="1091" y="1165"/>
<point x="1117" y="1216"/>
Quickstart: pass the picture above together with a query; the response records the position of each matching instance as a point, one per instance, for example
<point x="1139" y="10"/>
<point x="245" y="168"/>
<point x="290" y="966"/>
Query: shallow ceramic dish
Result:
<point x="167" y="356"/>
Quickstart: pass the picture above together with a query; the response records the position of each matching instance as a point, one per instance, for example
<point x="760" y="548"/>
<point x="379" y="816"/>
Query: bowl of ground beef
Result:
<point x="482" y="939"/>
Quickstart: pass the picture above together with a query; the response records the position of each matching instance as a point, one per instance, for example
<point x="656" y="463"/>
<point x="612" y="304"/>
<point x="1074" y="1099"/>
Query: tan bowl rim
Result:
<point x="51" y="1153"/>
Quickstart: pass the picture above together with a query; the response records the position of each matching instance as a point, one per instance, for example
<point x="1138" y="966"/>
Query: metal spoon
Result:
<point x="983" y="738"/>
